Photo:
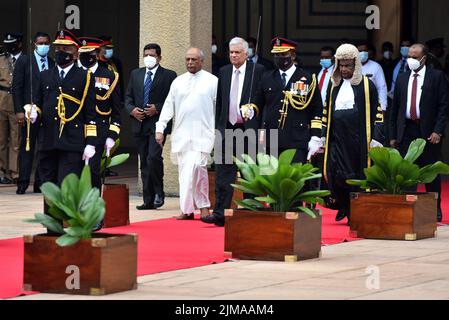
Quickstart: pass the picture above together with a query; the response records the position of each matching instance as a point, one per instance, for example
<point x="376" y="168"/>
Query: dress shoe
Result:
<point x="340" y="215"/>
<point x="215" y="219"/>
<point x="439" y="215"/>
<point x="110" y="173"/>
<point x="146" y="207"/>
<point x="21" y="189"/>
<point x="5" y="180"/>
<point x="159" y="200"/>
<point x="99" y="226"/>
<point x="190" y="216"/>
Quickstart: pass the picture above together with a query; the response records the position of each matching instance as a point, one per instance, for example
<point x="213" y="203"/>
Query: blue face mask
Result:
<point x="109" y="53"/>
<point x="326" y="63"/>
<point x="42" y="50"/>
<point x="404" y="52"/>
<point x="364" y="56"/>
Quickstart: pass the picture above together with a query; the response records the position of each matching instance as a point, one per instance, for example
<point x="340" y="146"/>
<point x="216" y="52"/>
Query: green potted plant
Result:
<point x="77" y="261"/>
<point x="116" y="196"/>
<point x="388" y="210"/>
<point x="280" y="222"/>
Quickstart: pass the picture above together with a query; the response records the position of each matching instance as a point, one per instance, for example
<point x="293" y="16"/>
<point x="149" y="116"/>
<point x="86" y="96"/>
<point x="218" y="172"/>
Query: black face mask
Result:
<point x="63" y="58"/>
<point x="12" y="48"/>
<point x="88" y="60"/>
<point x="283" y="63"/>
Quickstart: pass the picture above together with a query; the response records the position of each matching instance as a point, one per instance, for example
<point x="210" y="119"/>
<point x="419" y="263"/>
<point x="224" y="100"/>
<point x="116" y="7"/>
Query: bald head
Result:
<point x="194" y="60"/>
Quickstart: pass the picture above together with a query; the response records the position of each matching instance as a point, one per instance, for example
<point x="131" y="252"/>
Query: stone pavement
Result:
<point x="407" y="270"/>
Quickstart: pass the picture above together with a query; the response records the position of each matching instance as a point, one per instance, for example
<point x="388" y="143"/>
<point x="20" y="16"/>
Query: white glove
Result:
<point x="323" y="145"/>
<point x="89" y="152"/>
<point x="31" y="113"/>
<point x="314" y="146"/>
<point x="110" y="143"/>
<point x="375" y="144"/>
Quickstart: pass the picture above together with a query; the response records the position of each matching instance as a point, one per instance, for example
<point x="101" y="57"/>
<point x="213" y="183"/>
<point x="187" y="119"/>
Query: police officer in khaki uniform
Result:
<point x="9" y="128"/>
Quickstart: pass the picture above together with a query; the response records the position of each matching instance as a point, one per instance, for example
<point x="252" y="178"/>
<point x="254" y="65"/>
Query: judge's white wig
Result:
<point x="347" y="52"/>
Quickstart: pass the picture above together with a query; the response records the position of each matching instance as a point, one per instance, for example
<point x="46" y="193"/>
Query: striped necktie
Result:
<point x="146" y="89"/>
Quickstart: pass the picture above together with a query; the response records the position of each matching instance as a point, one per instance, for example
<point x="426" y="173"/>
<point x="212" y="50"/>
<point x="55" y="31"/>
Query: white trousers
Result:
<point x="193" y="181"/>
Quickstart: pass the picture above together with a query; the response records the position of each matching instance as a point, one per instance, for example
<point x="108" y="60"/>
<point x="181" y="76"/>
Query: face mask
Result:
<point x="283" y="63"/>
<point x="414" y="64"/>
<point x="388" y="55"/>
<point x="250" y="52"/>
<point x="88" y="60"/>
<point x="364" y="56"/>
<point x="214" y="49"/>
<point x="12" y="48"/>
<point x="326" y="63"/>
<point x="150" y="62"/>
<point x="63" y="58"/>
<point x="109" y="53"/>
<point x="404" y="52"/>
<point x="42" y="50"/>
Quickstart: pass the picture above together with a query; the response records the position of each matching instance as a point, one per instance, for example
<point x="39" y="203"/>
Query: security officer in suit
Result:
<point x="9" y="129"/>
<point x="291" y="103"/>
<point x="21" y="90"/>
<point x="108" y="104"/>
<point x="65" y="103"/>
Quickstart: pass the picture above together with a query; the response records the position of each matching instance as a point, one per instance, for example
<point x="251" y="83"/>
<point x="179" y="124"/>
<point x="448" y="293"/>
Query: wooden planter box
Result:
<point x="106" y="264"/>
<point x="393" y="217"/>
<point x="116" y="197"/>
<point x="272" y="236"/>
<point x="238" y="195"/>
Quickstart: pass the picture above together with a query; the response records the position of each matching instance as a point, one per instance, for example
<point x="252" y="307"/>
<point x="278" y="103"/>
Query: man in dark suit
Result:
<point x="420" y="110"/>
<point x="254" y="57"/>
<point x="298" y="125"/>
<point x="21" y="90"/>
<point x="234" y="91"/>
<point x="108" y="105"/>
<point x="147" y="90"/>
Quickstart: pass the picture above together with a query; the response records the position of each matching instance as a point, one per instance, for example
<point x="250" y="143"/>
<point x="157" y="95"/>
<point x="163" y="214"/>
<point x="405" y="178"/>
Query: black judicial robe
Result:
<point x="347" y="146"/>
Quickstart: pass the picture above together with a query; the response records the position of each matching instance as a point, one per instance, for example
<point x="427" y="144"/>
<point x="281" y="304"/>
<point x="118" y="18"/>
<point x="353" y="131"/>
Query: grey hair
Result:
<point x="236" y="41"/>
<point x="201" y="52"/>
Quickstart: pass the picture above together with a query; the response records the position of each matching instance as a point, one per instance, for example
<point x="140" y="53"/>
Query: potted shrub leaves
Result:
<point x="279" y="223"/>
<point x="116" y="196"/>
<point x="78" y="261"/>
<point x="388" y="210"/>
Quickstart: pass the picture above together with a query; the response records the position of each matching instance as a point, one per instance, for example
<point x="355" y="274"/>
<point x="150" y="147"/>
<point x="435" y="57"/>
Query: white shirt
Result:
<point x="242" y="70"/>
<point x="153" y="71"/>
<point x="421" y="76"/>
<point x="92" y="69"/>
<point x="327" y="79"/>
<point x="289" y="73"/>
<point x="377" y="76"/>
<point x="191" y="103"/>
<point x="39" y="62"/>
<point x="345" y="98"/>
<point x="66" y="70"/>
<point x="17" y="56"/>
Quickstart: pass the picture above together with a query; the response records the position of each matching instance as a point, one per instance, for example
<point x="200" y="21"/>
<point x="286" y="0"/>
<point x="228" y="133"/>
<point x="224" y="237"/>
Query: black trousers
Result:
<point x="95" y="166"/>
<point x="26" y="158"/>
<point x="432" y="153"/>
<point x="151" y="167"/>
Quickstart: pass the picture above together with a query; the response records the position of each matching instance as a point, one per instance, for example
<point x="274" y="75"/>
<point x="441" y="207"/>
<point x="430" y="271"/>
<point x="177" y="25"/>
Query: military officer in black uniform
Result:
<point x="108" y="104"/>
<point x="65" y="103"/>
<point x="292" y="104"/>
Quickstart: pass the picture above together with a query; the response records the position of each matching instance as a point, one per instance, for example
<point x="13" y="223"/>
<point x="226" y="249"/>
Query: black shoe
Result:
<point x="99" y="226"/>
<point x="439" y="215"/>
<point x="110" y="173"/>
<point x="340" y="215"/>
<point x="159" y="200"/>
<point x="21" y="189"/>
<point x="5" y="181"/>
<point x="36" y="189"/>
<point x="146" y="207"/>
<point x="215" y="219"/>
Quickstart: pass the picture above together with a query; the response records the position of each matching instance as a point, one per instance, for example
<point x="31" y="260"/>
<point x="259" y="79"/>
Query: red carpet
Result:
<point x="167" y="244"/>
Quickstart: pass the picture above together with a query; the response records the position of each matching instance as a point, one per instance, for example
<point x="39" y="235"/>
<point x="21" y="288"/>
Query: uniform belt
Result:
<point x="6" y="89"/>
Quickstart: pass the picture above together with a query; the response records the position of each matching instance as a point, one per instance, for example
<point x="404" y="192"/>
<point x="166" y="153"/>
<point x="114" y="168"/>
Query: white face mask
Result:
<point x="250" y="52"/>
<point x="414" y="64"/>
<point x="150" y="62"/>
<point x="214" y="49"/>
<point x="388" y="55"/>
